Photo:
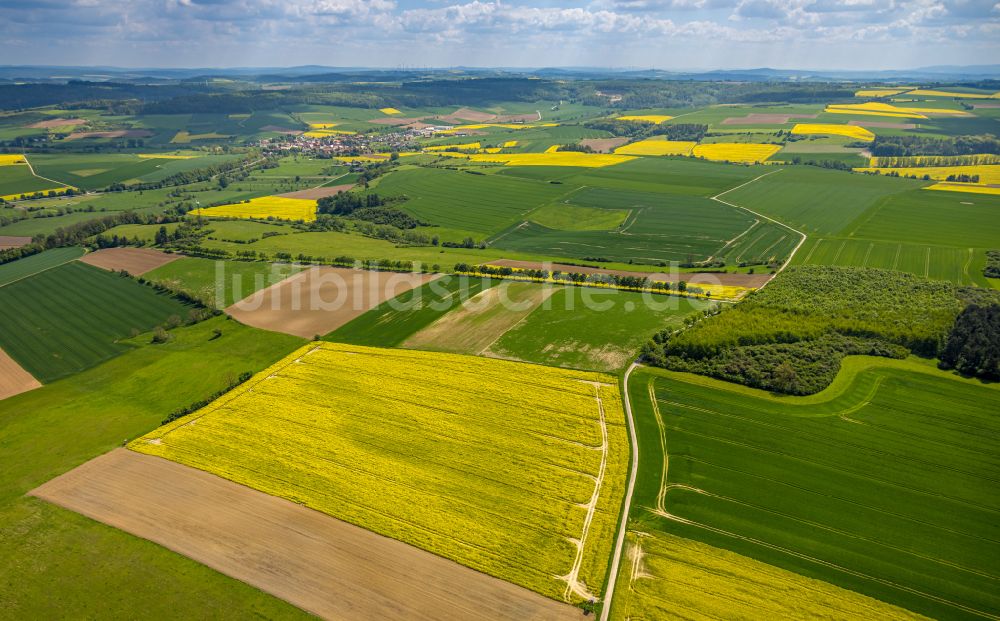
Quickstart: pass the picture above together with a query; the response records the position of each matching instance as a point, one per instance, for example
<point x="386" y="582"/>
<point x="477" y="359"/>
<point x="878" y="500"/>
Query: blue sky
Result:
<point x="665" y="34"/>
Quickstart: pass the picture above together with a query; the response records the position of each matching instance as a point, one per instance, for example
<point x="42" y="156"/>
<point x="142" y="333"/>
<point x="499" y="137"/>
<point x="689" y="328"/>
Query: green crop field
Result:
<point x="958" y="265"/>
<point x="69" y="318"/>
<point x="220" y="283"/>
<point x="587" y="328"/>
<point x="952" y="219"/>
<point x="17" y="179"/>
<point x="814" y="200"/>
<point x="883" y="484"/>
<point x="482" y="204"/>
<point x="57" y="427"/>
<point x="97" y="171"/>
<point x="395" y="320"/>
<point x="28" y="266"/>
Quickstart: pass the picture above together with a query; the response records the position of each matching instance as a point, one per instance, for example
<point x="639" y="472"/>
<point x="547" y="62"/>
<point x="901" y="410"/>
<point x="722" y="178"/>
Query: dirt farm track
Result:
<point x="325" y="566"/>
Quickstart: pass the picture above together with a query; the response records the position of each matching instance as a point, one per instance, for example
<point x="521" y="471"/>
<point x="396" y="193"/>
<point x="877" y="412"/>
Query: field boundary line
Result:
<point x="819" y="561"/>
<point x="32" y="169"/>
<point x="627" y="504"/>
<point x="40" y="271"/>
<point x="791" y="255"/>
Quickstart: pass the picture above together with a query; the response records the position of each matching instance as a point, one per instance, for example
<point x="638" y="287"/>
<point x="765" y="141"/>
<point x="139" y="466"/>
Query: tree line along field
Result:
<point x="423" y="459"/>
<point x="71" y="317"/>
<point x="883" y="484"/>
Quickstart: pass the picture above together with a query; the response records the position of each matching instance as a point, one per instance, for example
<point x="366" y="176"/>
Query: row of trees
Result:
<point x="907" y="145"/>
<point x="973" y="346"/>
<point x="637" y="283"/>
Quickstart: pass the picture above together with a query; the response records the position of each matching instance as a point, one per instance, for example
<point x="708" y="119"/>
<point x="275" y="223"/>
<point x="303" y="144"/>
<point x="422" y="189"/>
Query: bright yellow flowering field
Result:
<point x="934" y="93"/>
<point x="964" y="187"/>
<point x="657" y="147"/>
<point x="649" y="118"/>
<point x="445" y="147"/>
<point x="988" y="174"/>
<point x="500" y="466"/>
<point x="389" y="111"/>
<point x="741" y="152"/>
<point x="11" y="159"/>
<point x="14" y="197"/>
<point x="277" y="207"/>
<point x="509" y="143"/>
<point x="851" y="131"/>
<point x="884" y="109"/>
<point x="720" y="584"/>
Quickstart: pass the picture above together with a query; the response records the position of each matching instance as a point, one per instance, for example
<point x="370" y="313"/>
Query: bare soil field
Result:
<point x="321" y="299"/>
<point x="765" y="119"/>
<point x="465" y="114"/>
<point x="604" y="145"/>
<point x="118" y="133"/>
<point x="10" y="241"/>
<point x="56" y="123"/>
<point x="318" y="193"/>
<point x="729" y="280"/>
<point x="883" y="124"/>
<point x="987" y="105"/>
<point x="135" y="261"/>
<point x="13" y="379"/>
<point x="327" y="567"/>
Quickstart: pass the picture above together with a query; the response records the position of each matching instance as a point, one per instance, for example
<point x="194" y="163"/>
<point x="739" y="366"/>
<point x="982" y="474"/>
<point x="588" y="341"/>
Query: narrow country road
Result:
<point x="620" y="541"/>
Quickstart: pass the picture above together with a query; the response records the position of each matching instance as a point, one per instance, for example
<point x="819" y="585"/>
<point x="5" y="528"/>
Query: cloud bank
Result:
<point x="666" y="34"/>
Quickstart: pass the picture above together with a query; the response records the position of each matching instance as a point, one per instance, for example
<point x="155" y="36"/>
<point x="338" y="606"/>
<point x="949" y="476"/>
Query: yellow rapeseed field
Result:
<point x="880" y="92"/>
<point x="851" y="131"/>
<point x="14" y="197"/>
<point x="560" y="158"/>
<point x="741" y="152"/>
<point x="389" y="111"/>
<point x="509" y="143"/>
<point x="884" y="109"/>
<point x="664" y="576"/>
<point x="934" y="93"/>
<point x="648" y="118"/>
<point x="264" y="207"/>
<point x="652" y="146"/>
<point x="965" y="187"/>
<point x="468" y="146"/>
<point x="324" y="133"/>
<point x="492" y="150"/>
<point x="10" y="160"/>
<point x="553" y="148"/>
<point x="988" y="174"/>
<point x="322" y="125"/>
<point x="500" y="466"/>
